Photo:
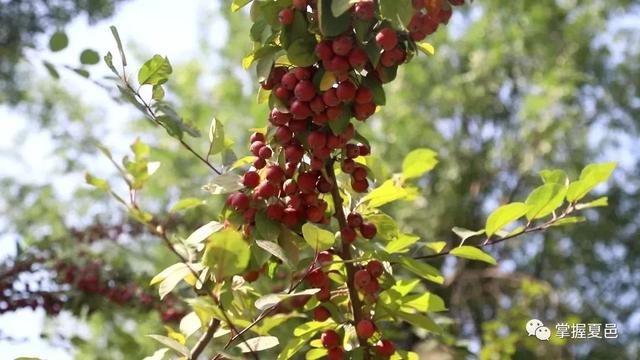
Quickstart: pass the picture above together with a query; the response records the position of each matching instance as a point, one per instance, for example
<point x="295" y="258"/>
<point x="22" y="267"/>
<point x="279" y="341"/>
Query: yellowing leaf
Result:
<point x="385" y="193"/>
<point x="226" y="253"/>
<point x="505" y="215"/>
<point x="473" y="253"/>
<point x="319" y="239"/>
<point x="426" y="48"/>
<point x="327" y="81"/>
<point x="418" y="162"/>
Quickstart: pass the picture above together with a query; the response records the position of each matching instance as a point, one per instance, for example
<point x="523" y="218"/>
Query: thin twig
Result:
<point x="204" y="340"/>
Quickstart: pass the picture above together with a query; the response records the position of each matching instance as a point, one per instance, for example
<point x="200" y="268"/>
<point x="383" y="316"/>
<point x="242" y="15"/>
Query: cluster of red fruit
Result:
<point x="429" y="15"/>
<point x="331" y="341"/>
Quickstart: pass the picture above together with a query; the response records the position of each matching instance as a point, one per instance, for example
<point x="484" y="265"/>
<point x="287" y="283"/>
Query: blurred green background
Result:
<point x="514" y="87"/>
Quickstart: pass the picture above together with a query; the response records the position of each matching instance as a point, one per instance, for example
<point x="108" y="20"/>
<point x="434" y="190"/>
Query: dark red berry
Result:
<point x="361" y="278"/>
<point x="342" y="45"/>
<point x="265" y="152"/>
<point x="375" y="268"/>
<point x="275" y="211"/>
<point x="330" y="339"/>
<point x="348" y="235"/>
<point x="346" y="91"/>
<point x="368" y="230"/>
<point x="251" y="179"/>
<point x="385" y="348"/>
<point x="354" y="220"/>
<point x="365" y="328"/>
<point x="387" y="38"/>
<point x="304" y="91"/>
<point x="321" y="314"/>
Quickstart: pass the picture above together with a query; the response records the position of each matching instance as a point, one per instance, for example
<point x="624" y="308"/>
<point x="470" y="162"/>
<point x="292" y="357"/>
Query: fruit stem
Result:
<point x="346" y="254"/>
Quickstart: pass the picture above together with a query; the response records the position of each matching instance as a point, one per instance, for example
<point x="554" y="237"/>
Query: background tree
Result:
<point x="489" y="108"/>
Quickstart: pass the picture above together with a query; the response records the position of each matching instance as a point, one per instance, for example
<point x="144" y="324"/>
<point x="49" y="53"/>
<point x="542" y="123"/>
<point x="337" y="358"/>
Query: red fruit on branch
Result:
<point x="279" y="118"/>
<point x="385" y="348"/>
<point x="291" y="217"/>
<point x="316" y="139"/>
<point x="282" y="93"/>
<point x="335" y="354"/>
<point x="275" y="174"/>
<point x="358" y="58"/>
<point x="289" y="187"/>
<point x="285" y="16"/>
<point x="324" y="257"/>
<point x="365" y="328"/>
<point x="240" y="202"/>
<point x="333" y="113"/>
<point x="324" y="294"/>
<point x="361" y="278"/>
<point x="354" y="220"/>
<point x="300" y="4"/>
<point x="317" y="105"/>
<point x="324" y="186"/>
<point x="330" y="339"/>
<point x="364" y="111"/>
<point x="348" y="235"/>
<point x="346" y="91"/>
<point x="387" y="38"/>
<point x="364" y="149"/>
<point x="298" y="126"/>
<point x="259" y="163"/>
<point x="251" y="179"/>
<point x="359" y="186"/>
<point x="251" y="276"/>
<point x="300" y="110"/>
<point x="255" y="147"/>
<point x="368" y="230"/>
<point x="304" y="90"/>
<point x="256" y="136"/>
<point x="365" y="10"/>
<point x="302" y="73"/>
<point x="289" y="81"/>
<point x="314" y="214"/>
<point x="323" y="50"/>
<point x="275" y="211"/>
<point x="283" y="134"/>
<point x="375" y="268"/>
<point x="359" y="173"/>
<point x="364" y="95"/>
<point x="307" y="182"/>
<point x="321" y="314"/>
<point x="330" y="98"/>
<point x="352" y="151"/>
<point x="265" y="152"/>
<point x="293" y="153"/>
<point x="348" y="165"/>
<point x="342" y="45"/>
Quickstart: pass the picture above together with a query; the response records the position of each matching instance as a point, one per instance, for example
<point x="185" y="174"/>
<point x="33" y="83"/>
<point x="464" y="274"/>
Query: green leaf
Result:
<point x="544" y="200"/>
<point x="275" y="250"/>
<point x="267" y="228"/>
<point x="58" y="41"/>
<point x="426" y="48"/>
<point x="157" y="355"/>
<point x="302" y="335"/>
<point x="89" y="57"/>
<point x="339" y="7"/>
<point x="331" y="25"/>
<point x="387" y="227"/>
<point x="379" y="97"/>
<point x="311" y="327"/>
<point x="301" y="52"/>
<point x="418" y="320"/>
<point x="436" y="246"/>
<point x="157" y="93"/>
<point x="224" y="184"/>
<point x="315" y="354"/>
<point x="465" y="234"/>
<point x="267" y="301"/>
<point x="319" y="239"/>
<point x="373" y="52"/>
<point x="473" y="253"/>
<point x="187" y="203"/>
<point x="97" y="182"/>
<point x="80" y="71"/>
<point x="116" y="36"/>
<point x="505" y="215"/>
<point x="418" y="162"/>
<point x="384" y="194"/>
<point x="258" y="344"/>
<point x="204" y="232"/>
<point x="190" y="324"/>
<point x="422" y="269"/>
<point x="601" y="201"/>
<point x="239" y="4"/>
<point x="216" y="137"/>
<point x="226" y="253"/>
<point x="170" y="277"/>
<point x="554" y="176"/>
<point x="424" y="302"/>
<point x="399" y="12"/>
<point x="155" y="71"/>
<point x="171" y="343"/>
<point x="242" y="162"/>
<point x="108" y="59"/>
<point x="51" y="69"/>
<point x="340" y="124"/>
<point x="401" y="244"/>
<point x="590" y="177"/>
<point x="569" y="220"/>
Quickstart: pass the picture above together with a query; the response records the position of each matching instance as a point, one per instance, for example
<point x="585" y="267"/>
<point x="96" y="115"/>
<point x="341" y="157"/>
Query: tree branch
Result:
<point x="346" y="254"/>
<point x="204" y="340"/>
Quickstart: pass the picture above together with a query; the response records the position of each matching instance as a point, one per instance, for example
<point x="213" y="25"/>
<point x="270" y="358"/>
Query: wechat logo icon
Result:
<point x="536" y="328"/>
